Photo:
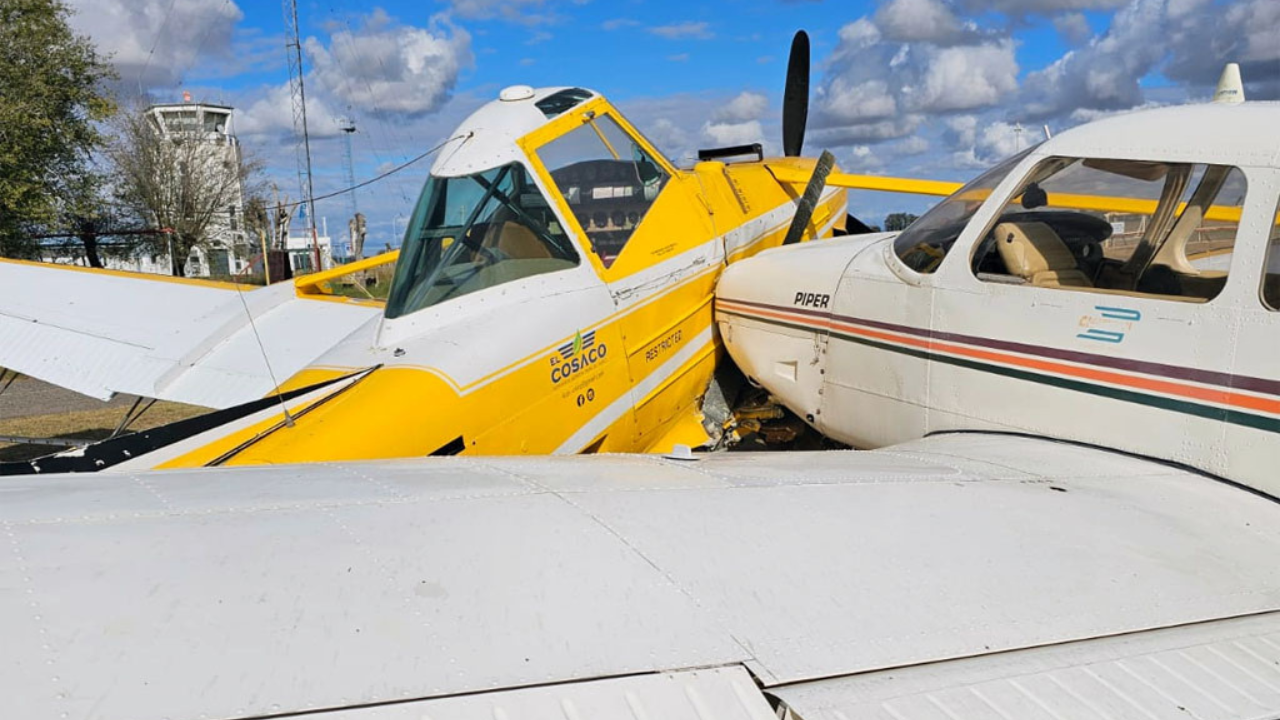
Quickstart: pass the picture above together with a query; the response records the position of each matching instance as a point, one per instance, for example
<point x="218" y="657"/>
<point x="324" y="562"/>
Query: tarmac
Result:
<point x="27" y="397"/>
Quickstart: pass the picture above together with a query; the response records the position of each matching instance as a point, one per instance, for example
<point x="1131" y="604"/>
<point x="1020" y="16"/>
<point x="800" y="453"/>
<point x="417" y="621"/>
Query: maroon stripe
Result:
<point x="1204" y="377"/>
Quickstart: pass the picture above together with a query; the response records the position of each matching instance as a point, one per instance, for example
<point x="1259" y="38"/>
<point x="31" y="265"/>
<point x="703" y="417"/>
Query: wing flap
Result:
<point x="1225" y="669"/>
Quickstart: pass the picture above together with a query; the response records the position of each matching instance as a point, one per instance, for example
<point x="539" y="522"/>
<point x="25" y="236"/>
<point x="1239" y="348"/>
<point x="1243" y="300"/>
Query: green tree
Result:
<point x="52" y="95"/>
<point x="87" y="214"/>
<point x="898" y="221"/>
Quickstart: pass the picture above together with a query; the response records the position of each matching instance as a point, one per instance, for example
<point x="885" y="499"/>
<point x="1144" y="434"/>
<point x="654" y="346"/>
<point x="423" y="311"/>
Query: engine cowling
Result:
<point x="773" y="310"/>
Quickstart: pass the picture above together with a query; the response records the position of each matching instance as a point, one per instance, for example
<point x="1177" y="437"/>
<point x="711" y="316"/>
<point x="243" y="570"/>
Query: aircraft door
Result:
<point x="1057" y="315"/>
<point x="1252" y="434"/>
<point x="651" y="242"/>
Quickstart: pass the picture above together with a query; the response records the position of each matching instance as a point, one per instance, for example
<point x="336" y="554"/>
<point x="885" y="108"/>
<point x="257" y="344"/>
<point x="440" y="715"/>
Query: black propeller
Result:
<point x="795" y="97"/>
<point x="795" y="113"/>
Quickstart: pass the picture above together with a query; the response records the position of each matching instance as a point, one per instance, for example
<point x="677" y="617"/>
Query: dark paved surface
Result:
<point x="26" y="397"/>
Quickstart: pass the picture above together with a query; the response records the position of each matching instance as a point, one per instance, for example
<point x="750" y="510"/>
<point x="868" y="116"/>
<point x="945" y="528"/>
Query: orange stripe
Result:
<point x="1221" y="397"/>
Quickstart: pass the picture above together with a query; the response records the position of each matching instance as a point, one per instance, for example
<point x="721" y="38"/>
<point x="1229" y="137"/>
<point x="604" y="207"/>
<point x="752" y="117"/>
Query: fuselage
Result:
<point x="1116" y="286"/>
<point x="554" y="294"/>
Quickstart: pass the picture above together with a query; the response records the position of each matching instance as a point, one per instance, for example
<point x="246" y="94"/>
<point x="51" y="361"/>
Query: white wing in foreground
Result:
<point x="101" y="333"/>
<point x="1043" y="576"/>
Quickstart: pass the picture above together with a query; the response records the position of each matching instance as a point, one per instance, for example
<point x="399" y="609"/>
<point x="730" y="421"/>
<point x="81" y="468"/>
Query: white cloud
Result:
<point x="731" y="133"/>
<point x="1187" y="41"/>
<point x="862" y="158"/>
<point x="667" y="135"/>
<point x="962" y="129"/>
<point x="679" y="124"/>
<point x="746" y="106"/>
<point x="913" y="145"/>
<point x="1000" y="140"/>
<point x="1019" y="8"/>
<point x="912" y="20"/>
<point x="978" y="145"/>
<point x="857" y="35"/>
<point x="1073" y="26"/>
<point x="854" y="102"/>
<point x="879" y="87"/>
<point x="387" y="68"/>
<point x="1204" y="36"/>
<point x="868" y="132"/>
<point x="154" y="43"/>
<point x="967" y="76"/>
<point x="675" y="31"/>
<point x="272" y="115"/>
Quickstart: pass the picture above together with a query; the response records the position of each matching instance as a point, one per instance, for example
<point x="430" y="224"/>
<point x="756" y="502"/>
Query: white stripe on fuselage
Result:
<point x="627" y="401"/>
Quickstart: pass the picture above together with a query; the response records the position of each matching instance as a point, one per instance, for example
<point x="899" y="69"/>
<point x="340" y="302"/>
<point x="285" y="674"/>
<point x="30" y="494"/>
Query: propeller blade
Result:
<point x="795" y="96"/>
<point x="809" y="200"/>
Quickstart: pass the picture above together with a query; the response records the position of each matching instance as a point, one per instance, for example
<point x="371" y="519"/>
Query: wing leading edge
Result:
<point x="102" y="332"/>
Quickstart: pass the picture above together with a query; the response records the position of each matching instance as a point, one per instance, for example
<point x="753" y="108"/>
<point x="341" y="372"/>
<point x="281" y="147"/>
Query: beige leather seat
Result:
<point x="1034" y="252"/>
<point x="519" y="242"/>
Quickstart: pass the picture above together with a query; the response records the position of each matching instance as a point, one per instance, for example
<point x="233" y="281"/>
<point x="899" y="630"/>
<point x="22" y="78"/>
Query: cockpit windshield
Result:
<point x="925" y="242"/>
<point x="476" y="231"/>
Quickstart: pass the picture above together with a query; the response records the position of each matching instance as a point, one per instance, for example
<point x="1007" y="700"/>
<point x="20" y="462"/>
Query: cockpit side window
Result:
<point x="924" y="244"/>
<point x="1271" y="268"/>
<point x="562" y="101"/>
<point x="1126" y="227"/>
<point x="472" y="232"/>
<point x="607" y="179"/>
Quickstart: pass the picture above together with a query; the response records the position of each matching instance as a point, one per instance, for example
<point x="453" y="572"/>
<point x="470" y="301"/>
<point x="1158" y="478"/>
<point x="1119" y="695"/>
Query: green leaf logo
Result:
<point x="577" y="343"/>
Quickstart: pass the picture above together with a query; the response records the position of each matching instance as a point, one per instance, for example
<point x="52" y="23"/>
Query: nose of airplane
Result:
<point x="772" y="311"/>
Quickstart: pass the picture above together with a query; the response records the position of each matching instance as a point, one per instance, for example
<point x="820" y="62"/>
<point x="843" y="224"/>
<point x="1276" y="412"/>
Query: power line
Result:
<point x="205" y="37"/>
<point x="159" y="34"/>
<point x="383" y="176"/>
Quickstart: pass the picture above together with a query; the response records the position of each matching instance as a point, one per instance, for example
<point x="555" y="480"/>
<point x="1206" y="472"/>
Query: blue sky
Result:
<point x="926" y="88"/>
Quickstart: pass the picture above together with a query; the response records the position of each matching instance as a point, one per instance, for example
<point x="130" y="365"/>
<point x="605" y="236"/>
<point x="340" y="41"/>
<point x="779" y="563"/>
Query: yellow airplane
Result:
<point x="553" y="295"/>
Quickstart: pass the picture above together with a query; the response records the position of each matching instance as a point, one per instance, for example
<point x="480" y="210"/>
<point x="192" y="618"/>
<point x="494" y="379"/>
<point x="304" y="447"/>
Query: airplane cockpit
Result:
<point x="1106" y="225"/>
<point x="608" y="180"/>
<point x="475" y="231"/>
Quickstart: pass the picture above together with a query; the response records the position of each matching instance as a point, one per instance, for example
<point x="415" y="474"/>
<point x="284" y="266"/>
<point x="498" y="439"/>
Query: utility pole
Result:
<point x="298" y="97"/>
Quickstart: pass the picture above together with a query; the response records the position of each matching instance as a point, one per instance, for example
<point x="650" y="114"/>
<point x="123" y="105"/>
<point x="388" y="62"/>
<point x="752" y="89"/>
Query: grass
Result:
<point x="83" y="424"/>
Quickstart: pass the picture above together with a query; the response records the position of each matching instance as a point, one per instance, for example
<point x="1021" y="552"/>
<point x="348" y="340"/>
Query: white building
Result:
<point x="302" y="254"/>
<point x="229" y="249"/>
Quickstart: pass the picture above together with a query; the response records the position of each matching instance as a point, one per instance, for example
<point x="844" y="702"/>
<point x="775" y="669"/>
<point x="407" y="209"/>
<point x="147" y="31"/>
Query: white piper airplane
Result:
<point x="994" y="573"/>
<point x="1117" y="285"/>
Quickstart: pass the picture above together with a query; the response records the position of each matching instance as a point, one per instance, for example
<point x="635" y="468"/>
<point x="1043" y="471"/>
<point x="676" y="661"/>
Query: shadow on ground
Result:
<point x="25" y="451"/>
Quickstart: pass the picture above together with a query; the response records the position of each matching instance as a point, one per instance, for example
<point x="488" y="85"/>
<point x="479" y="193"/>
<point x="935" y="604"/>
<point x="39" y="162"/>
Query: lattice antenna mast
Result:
<point x="298" y="96"/>
<point x="348" y="127"/>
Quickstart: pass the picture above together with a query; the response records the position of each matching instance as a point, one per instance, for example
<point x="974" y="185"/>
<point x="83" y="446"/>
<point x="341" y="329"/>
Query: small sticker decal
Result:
<point x="1110" y="324"/>
<point x="578" y="354"/>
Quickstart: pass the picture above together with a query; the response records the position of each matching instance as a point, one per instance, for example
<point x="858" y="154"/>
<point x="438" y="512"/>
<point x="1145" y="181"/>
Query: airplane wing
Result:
<point x="961" y="576"/>
<point x="792" y="173"/>
<point x="105" y="332"/>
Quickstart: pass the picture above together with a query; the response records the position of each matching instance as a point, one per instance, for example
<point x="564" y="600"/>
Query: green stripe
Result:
<point x="1209" y="412"/>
